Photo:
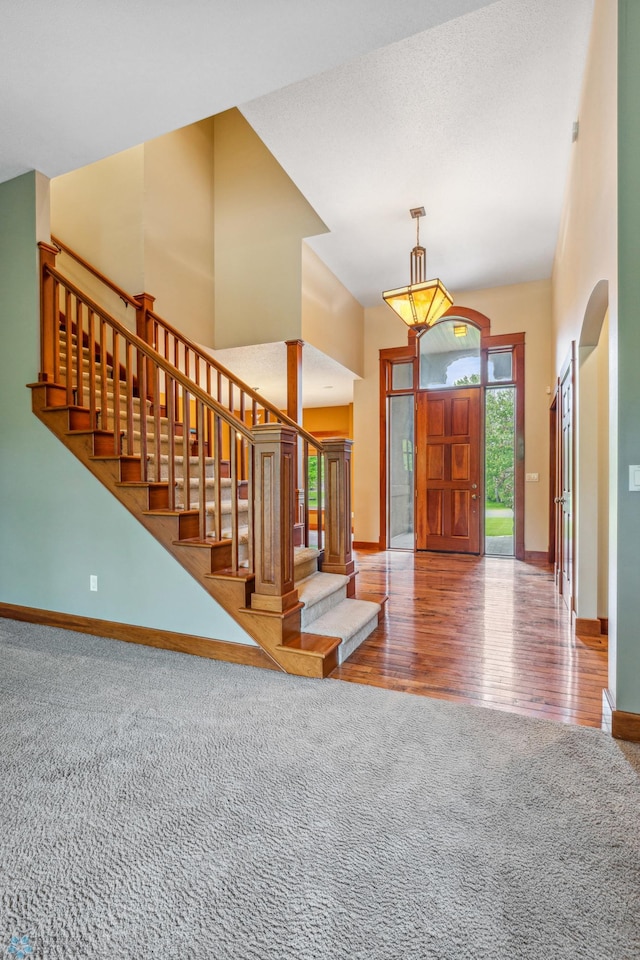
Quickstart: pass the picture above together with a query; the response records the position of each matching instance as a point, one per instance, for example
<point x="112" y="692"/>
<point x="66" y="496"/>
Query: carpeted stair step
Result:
<point x="243" y="535"/>
<point x="178" y="441"/>
<point x="351" y="620"/>
<point x="225" y="513"/>
<point x="226" y="485"/>
<point x="305" y="562"/>
<point x="178" y="466"/>
<point x="320" y="593"/>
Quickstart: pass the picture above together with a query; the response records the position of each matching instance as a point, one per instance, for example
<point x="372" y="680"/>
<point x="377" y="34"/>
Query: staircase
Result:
<point x="209" y="467"/>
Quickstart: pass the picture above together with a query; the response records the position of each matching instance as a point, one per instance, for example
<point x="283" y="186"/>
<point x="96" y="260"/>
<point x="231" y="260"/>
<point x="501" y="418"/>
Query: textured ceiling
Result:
<point x="471" y="119"/>
<point x="326" y="383"/>
<point x="83" y="79"/>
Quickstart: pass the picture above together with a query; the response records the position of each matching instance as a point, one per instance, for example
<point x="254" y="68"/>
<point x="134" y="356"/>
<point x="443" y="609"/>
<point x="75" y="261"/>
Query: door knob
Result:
<point x="474" y="496"/>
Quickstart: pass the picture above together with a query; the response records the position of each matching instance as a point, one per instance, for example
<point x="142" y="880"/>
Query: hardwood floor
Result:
<point x="490" y="631"/>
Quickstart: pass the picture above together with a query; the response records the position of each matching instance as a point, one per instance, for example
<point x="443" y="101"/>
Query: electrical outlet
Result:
<point x="93" y="582"/>
<point x="533" y="477"/>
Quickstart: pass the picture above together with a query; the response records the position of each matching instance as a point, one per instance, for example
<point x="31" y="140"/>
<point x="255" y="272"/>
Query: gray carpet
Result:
<point x="158" y="805"/>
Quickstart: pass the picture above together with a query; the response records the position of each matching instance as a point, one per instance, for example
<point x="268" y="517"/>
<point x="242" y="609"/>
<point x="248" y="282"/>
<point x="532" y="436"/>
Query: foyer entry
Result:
<point x="438" y="469"/>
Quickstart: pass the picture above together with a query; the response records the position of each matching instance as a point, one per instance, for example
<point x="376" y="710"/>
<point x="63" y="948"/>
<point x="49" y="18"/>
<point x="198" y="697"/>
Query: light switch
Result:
<point x="634" y="477"/>
<point x="533" y="477"/>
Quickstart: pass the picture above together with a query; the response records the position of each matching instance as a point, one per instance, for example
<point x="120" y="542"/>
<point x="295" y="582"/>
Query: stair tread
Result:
<point x="225" y="507"/>
<point x="345" y="619"/>
<point x="306" y="553"/>
<point x="205" y="544"/>
<point x="225" y="482"/>
<point x="227" y="573"/>
<point x="318" y="586"/>
<point x="164" y="458"/>
<point x="312" y="644"/>
<point x="142" y="483"/>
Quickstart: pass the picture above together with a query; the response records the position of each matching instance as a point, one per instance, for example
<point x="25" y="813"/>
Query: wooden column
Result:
<point x="294" y="379"/>
<point x="47" y="314"/>
<point x="144" y="329"/>
<point x="338" y="555"/>
<point x="274" y="509"/>
<point x="294" y="410"/>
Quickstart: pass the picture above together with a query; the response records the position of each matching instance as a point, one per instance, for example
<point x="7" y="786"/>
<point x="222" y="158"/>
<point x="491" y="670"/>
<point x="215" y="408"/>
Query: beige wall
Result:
<point x="587" y="249"/>
<point x="260" y="220"/>
<point x="98" y="210"/>
<point x="179" y="228"/>
<point x="382" y="329"/>
<point x="586" y="256"/>
<point x="144" y="217"/>
<point x="332" y="319"/>
<point x="206" y="221"/>
<point x="524" y="307"/>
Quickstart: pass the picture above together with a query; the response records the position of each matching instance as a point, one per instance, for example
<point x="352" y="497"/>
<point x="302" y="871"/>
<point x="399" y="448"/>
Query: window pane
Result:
<point x="449" y="355"/>
<point x="499" y="470"/>
<point x="500" y="366"/>
<point x="402" y="376"/>
<point x="401" y="472"/>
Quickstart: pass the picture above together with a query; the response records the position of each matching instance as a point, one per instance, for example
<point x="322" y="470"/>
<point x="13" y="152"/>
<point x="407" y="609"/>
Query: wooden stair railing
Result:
<point x="161" y="404"/>
<point x="129" y="412"/>
<point x="224" y="386"/>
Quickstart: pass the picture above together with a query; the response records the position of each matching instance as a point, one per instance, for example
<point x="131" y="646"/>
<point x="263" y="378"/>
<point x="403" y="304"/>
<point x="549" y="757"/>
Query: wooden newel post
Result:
<point x="274" y="515"/>
<point x="144" y="329"/>
<point x="47" y="314"/>
<point x="338" y="554"/>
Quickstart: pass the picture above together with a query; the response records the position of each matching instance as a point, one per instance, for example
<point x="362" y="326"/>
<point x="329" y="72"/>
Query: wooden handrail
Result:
<point x="280" y="416"/>
<point x="108" y="372"/>
<point x="165" y="383"/>
<point x="189" y="385"/>
<point x="191" y="346"/>
<point x="128" y="299"/>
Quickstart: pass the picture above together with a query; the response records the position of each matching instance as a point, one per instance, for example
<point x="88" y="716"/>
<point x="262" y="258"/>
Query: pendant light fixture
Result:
<point x="423" y="302"/>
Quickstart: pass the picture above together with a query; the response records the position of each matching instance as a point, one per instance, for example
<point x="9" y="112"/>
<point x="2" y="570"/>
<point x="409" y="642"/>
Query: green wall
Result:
<point x="58" y="524"/>
<point x="628" y="380"/>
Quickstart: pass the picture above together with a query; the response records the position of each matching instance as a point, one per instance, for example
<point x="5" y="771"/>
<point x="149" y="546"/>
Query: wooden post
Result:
<point x="294" y="410"/>
<point x="47" y="314"/>
<point x="274" y="507"/>
<point x="338" y="554"/>
<point x="144" y="329"/>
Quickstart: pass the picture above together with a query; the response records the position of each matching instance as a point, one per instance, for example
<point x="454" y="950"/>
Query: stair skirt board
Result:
<point x="241" y="653"/>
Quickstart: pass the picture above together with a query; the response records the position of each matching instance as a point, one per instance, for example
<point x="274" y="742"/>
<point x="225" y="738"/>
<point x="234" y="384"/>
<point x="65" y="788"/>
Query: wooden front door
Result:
<point x="448" y="494"/>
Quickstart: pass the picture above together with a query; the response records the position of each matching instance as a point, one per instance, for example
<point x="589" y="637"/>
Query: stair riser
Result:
<point x="347" y="647"/>
<point x="309" y="614"/>
<point x="210" y="496"/>
<point x="209" y="471"/>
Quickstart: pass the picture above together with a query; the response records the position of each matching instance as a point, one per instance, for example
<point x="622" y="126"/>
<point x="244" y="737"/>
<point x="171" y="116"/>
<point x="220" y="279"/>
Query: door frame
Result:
<point x="568" y="371"/>
<point x="409" y="353"/>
